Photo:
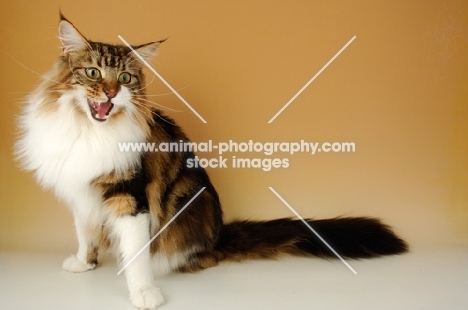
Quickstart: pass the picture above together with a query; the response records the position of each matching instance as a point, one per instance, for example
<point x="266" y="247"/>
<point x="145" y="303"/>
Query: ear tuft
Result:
<point x="72" y="40"/>
<point x="149" y="50"/>
<point x="62" y="17"/>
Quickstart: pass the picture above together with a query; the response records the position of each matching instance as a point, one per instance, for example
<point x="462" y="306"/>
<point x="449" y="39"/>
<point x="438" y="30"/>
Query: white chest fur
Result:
<point x="67" y="150"/>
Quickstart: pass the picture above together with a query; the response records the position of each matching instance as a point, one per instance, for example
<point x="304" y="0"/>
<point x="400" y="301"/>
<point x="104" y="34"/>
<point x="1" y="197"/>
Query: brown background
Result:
<point x="398" y="91"/>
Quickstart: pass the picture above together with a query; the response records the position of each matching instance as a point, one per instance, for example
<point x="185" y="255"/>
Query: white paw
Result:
<point x="147" y="297"/>
<point x="73" y="264"/>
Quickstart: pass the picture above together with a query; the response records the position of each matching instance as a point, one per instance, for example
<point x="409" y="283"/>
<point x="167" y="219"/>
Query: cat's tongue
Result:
<point x="102" y="109"/>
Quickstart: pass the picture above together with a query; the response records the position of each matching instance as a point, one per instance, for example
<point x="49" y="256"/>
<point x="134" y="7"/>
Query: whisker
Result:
<point x="147" y="84"/>
<point x="180" y="88"/>
<point x="28" y="92"/>
<point x="159" y="95"/>
<point x="165" y="120"/>
<point x="159" y="105"/>
<point x="139" y="105"/>
<point x="33" y="71"/>
<point x="162" y="94"/>
<point x="140" y="118"/>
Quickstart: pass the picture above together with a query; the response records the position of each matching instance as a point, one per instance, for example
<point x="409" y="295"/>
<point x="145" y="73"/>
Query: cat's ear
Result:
<point x="149" y="50"/>
<point x="72" y="40"/>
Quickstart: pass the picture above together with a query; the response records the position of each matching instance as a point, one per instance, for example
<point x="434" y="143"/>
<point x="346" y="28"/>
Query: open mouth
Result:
<point x="100" y="110"/>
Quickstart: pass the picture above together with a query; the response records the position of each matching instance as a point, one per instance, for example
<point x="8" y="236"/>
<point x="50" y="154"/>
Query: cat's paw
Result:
<point x="73" y="264"/>
<point x="146" y="297"/>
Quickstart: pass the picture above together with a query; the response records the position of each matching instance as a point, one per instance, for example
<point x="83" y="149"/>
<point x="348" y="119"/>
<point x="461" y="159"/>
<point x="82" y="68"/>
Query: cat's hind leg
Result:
<point x="199" y="261"/>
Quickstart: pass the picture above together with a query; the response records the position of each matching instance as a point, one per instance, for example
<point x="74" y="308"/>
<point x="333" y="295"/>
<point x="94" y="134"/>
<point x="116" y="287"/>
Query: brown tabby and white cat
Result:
<point x="93" y="99"/>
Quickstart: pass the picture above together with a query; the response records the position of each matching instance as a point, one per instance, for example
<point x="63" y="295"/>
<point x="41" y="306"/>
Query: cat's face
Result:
<point x="106" y="80"/>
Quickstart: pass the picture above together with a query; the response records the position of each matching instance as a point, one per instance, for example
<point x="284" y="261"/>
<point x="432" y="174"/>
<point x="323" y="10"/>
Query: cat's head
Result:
<point x="106" y="79"/>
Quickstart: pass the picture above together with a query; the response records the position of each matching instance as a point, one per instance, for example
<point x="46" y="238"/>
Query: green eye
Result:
<point x="93" y="73"/>
<point x="124" y="78"/>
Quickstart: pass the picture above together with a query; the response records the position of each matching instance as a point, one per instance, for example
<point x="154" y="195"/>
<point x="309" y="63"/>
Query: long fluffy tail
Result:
<point x="350" y="237"/>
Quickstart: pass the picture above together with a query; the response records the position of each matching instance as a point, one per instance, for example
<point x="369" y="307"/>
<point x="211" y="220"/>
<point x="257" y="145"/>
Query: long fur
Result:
<point x="357" y="237"/>
<point x="69" y="135"/>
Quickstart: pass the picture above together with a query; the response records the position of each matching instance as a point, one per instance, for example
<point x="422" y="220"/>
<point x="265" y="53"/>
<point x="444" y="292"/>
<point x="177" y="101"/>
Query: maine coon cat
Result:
<point x="94" y="98"/>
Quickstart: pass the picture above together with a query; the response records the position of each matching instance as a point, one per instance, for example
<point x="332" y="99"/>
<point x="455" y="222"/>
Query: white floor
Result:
<point x="423" y="279"/>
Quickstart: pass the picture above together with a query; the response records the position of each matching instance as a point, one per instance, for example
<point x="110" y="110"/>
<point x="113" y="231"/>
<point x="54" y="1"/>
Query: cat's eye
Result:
<point x="93" y="73"/>
<point x="125" y="78"/>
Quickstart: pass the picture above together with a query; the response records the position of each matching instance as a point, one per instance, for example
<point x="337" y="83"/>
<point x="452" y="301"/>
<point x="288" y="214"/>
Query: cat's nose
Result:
<point x="110" y="93"/>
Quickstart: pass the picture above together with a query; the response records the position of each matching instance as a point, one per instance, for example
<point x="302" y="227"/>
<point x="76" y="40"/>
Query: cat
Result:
<point x="92" y="100"/>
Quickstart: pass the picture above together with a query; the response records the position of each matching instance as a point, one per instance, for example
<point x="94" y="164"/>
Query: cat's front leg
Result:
<point x="133" y="233"/>
<point x="87" y="255"/>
